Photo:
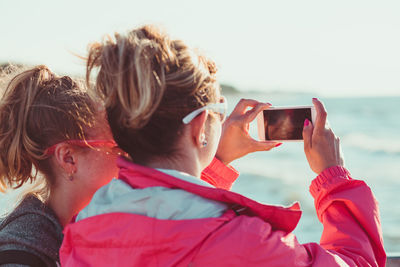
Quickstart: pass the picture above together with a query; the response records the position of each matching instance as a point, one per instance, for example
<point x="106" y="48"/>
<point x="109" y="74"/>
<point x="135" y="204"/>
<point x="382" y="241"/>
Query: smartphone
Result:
<point x="284" y="124"/>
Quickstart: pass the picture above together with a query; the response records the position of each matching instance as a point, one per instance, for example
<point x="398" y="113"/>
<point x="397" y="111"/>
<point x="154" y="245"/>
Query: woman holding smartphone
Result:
<point x="165" y="110"/>
<point x="54" y="135"/>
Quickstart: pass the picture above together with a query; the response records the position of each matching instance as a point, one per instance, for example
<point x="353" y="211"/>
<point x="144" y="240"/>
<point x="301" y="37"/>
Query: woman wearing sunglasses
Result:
<point x="165" y="110"/>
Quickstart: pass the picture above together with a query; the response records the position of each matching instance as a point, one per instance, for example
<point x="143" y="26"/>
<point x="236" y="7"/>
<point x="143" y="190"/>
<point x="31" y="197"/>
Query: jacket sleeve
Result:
<point x="219" y="174"/>
<point x="351" y="236"/>
<point x="349" y="213"/>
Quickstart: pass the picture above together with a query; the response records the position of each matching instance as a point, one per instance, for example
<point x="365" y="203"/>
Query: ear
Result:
<point x="65" y="156"/>
<point x="198" y="128"/>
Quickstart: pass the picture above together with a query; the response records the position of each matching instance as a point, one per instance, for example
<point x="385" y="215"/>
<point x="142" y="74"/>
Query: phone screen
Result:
<point x="285" y="124"/>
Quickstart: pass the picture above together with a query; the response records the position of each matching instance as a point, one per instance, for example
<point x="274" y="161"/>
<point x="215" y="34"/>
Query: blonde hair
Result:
<point x="39" y="109"/>
<point x="149" y="83"/>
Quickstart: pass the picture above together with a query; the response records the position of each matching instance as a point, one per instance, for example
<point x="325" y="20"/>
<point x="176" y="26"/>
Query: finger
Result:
<point x="263" y="145"/>
<point x="321" y="114"/>
<point x="243" y="104"/>
<point x="307" y="135"/>
<point x="252" y="113"/>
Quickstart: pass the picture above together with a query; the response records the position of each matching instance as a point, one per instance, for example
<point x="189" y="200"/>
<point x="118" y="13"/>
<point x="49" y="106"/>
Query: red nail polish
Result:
<point x="314" y="98"/>
<point x="306" y="122"/>
<point x="278" y="144"/>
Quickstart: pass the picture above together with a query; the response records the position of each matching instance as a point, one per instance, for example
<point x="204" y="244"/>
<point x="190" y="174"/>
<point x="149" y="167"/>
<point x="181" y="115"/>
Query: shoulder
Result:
<point x="31" y="227"/>
<point x="30" y="217"/>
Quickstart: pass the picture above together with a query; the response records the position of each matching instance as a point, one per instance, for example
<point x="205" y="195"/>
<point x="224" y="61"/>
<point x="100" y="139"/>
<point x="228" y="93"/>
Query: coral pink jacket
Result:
<point x="248" y="234"/>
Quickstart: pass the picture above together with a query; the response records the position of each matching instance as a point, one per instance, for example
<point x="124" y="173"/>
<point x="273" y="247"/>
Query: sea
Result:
<point x="369" y="130"/>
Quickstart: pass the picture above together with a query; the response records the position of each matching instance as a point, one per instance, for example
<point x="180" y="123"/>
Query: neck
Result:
<point x="186" y="163"/>
<point x="64" y="204"/>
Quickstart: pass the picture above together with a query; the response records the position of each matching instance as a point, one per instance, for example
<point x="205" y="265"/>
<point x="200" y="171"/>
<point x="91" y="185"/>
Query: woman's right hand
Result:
<point x="236" y="141"/>
<point x="321" y="146"/>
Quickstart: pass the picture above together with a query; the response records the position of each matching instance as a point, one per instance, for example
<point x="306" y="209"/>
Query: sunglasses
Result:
<point x="220" y="108"/>
<point x="107" y="146"/>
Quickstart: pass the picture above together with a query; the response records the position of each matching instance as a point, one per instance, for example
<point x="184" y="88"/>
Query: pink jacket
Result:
<point x="247" y="234"/>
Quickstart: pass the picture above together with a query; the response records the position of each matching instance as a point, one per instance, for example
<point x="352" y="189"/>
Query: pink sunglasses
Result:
<point x="107" y="146"/>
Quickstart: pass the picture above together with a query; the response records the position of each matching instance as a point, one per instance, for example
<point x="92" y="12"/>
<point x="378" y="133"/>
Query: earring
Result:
<point x="71" y="177"/>
<point x="204" y="143"/>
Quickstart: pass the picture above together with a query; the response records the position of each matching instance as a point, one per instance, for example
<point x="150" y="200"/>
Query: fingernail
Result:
<point x="306" y="122"/>
<point x="314" y="98"/>
<point x="278" y="144"/>
<point x="269" y="104"/>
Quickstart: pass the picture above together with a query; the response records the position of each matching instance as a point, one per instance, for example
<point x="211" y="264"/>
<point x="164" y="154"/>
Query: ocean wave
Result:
<point x="372" y="144"/>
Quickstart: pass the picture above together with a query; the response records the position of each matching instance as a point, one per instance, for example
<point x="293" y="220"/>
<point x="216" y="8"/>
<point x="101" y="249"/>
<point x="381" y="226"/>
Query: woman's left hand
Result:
<point x="235" y="140"/>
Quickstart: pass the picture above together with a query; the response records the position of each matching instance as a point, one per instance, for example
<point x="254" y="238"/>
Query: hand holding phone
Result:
<point x="235" y="141"/>
<point x="321" y="145"/>
<point x="285" y="124"/>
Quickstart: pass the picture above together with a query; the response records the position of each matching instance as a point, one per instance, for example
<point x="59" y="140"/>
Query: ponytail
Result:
<point x="132" y="74"/>
<point x="149" y="83"/>
<point x="38" y="109"/>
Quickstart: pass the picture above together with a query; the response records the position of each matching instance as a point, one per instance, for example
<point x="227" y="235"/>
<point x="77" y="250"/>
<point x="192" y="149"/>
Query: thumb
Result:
<point x="264" y="145"/>
<point x="307" y="134"/>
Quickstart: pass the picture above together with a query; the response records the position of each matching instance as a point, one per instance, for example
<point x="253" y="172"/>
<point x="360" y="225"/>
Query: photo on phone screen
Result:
<point x="285" y="123"/>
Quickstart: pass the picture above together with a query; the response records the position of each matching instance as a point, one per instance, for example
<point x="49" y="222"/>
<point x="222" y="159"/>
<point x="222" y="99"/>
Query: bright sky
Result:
<point x="341" y="47"/>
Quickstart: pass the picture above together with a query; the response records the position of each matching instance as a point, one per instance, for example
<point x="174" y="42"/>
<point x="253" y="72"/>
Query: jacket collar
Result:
<point x="280" y="218"/>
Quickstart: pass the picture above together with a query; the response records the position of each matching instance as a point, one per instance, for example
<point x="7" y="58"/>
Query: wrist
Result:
<point x="327" y="166"/>
<point x="222" y="159"/>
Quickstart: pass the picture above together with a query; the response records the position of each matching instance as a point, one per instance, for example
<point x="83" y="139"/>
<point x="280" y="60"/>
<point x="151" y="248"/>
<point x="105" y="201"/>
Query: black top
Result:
<point x="31" y="228"/>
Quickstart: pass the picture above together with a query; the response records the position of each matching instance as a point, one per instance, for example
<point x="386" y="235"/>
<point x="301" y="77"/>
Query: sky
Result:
<point x="333" y="48"/>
